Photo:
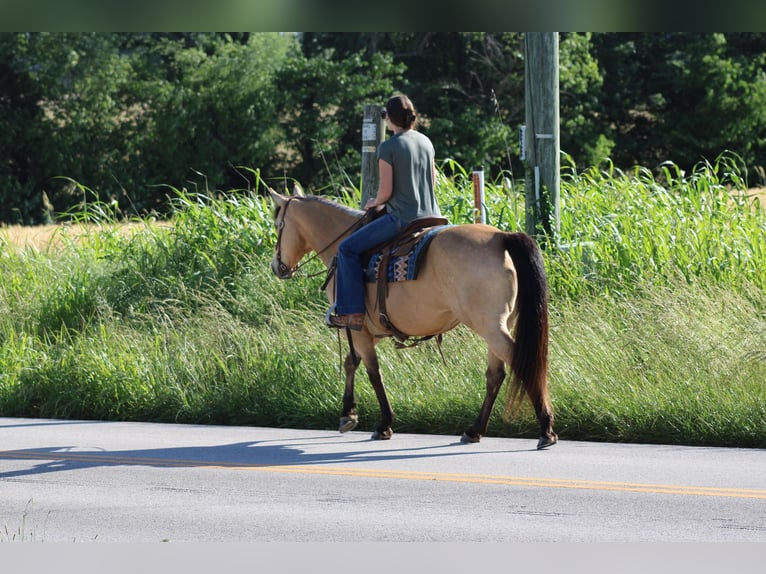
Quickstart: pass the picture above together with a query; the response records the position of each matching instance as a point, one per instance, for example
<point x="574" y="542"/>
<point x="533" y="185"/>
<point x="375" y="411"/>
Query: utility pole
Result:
<point x="541" y="79"/>
<point x="373" y="133"/>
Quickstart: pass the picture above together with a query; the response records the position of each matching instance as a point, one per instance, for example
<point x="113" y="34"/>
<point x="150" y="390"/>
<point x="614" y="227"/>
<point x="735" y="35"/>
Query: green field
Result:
<point x="657" y="299"/>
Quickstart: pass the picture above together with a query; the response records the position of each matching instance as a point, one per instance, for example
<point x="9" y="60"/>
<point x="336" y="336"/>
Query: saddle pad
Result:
<point x="403" y="267"/>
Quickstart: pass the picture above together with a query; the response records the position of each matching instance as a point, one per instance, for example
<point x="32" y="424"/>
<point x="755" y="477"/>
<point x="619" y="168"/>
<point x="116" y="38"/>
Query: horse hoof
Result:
<point x="546" y="441"/>
<point x="348" y="423"/>
<point x="385" y="435"/>
<point x="470" y="439"/>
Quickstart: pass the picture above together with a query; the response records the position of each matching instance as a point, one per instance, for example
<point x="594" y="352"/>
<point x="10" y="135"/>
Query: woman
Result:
<point x="407" y="177"/>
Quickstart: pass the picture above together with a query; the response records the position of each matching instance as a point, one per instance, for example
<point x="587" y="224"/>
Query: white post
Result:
<point x="478" y="195"/>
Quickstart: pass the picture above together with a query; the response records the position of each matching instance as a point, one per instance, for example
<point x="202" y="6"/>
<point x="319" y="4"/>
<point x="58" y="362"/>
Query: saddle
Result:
<point x="399" y="260"/>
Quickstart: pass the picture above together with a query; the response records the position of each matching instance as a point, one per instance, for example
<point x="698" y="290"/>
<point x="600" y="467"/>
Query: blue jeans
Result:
<point x="349" y="277"/>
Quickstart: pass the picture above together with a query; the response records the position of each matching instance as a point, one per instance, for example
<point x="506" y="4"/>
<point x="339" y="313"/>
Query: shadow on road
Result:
<point x="298" y="451"/>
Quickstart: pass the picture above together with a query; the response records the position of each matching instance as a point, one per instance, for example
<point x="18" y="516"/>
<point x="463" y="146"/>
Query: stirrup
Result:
<point x="330" y="313"/>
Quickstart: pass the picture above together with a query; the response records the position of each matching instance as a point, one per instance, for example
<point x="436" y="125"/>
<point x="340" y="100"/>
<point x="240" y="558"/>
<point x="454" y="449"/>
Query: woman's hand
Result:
<point x="371" y="203"/>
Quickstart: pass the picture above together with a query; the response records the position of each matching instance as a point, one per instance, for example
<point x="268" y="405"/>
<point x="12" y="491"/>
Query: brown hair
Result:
<point x="402" y="112"/>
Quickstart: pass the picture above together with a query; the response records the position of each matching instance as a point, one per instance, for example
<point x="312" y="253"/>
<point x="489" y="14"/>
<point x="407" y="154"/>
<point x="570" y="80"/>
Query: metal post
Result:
<point x="373" y="133"/>
<point x="542" y="133"/>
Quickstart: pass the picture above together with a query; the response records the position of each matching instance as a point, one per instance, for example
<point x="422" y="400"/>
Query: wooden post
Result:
<point x="373" y="133"/>
<point x="542" y="133"/>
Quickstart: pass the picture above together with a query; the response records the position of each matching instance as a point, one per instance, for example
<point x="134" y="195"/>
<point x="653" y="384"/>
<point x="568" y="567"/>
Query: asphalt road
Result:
<point x="64" y="481"/>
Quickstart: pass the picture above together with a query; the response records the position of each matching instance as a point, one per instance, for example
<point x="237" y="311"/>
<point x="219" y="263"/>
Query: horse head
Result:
<point x="291" y="246"/>
<point x="308" y="223"/>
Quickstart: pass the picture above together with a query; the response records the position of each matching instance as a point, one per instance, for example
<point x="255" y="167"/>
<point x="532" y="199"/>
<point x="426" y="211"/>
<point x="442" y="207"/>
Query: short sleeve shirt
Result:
<point x="411" y="155"/>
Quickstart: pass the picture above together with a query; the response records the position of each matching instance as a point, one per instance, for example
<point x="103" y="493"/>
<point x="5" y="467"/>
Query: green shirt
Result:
<point x="411" y="156"/>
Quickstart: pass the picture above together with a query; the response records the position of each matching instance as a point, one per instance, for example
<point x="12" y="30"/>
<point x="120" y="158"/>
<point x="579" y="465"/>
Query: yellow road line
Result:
<point x="535" y="482"/>
<point x="528" y="481"/>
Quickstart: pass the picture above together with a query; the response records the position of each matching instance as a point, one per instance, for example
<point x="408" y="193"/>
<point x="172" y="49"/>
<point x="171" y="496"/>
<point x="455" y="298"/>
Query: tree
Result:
<point x="213" y="108"/>
<point x="127" y="114"/>
<point x="320" y="99"/>
<point x="583" y="134"/>
<point x="469" y="89"/>
<point x="19" y="98"/>
<point x="67" y="115"/>
<point x="683" y="97"/>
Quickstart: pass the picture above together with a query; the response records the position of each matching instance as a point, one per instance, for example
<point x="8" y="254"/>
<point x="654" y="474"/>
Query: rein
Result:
<point x="289" y="271"/>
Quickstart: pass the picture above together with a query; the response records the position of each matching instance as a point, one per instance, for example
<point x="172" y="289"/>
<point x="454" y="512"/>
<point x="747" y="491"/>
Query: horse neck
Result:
<point x="322" y="224"/>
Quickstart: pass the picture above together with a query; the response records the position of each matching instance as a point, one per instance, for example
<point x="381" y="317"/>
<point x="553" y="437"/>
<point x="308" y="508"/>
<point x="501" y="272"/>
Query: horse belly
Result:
<point x="467" y="277"/>
<point x="414" y="307"/>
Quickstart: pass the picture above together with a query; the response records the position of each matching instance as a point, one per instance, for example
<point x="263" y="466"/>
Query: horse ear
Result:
<point x="297" y="190"/>
<point x="278" y="199"/>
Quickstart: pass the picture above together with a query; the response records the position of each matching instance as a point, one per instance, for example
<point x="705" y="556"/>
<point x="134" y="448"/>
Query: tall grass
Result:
<point x="657" y="298"/>
<point x="624" y="230"/>
<point x="677" y="363"/>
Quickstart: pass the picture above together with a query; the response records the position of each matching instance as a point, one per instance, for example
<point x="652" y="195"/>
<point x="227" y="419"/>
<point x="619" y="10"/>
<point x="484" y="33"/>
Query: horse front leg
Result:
<point x="495" y="376"/>
<point x="349" y="417"/>
<point x="384" y="430"/>
<point x="365" y="346"/>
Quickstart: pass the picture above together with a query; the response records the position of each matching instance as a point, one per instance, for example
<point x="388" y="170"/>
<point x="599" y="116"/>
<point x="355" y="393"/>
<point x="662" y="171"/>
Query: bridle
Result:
<point x="283" y="269"/>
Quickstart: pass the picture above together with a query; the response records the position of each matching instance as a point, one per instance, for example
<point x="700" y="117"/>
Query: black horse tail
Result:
<point x="530" y="358"/>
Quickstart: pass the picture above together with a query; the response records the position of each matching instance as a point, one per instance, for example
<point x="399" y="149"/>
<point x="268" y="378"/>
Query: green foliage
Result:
<point x="213" y="107"/>
<point x="621" y="230"/>
<point x="580" y="87"/>
<point x="320" y="103"/>
<point x="71" y="118"/>
<point x="682" y="96"/>
<point x="673" y="364"/>
<point x="127" y="114"/>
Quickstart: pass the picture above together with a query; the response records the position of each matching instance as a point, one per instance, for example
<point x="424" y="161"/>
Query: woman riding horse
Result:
<point x="406" y="189"/>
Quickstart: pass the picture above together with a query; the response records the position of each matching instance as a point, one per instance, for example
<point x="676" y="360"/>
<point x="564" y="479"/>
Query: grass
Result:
<point x="678" y="364"/>
<point x="630" y="230"/>
<point x="658" y="318"/>
<point x="23" y="532"/>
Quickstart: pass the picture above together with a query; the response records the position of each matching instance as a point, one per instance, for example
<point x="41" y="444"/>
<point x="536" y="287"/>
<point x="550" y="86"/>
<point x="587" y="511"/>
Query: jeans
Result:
<point x="349" y="277"/>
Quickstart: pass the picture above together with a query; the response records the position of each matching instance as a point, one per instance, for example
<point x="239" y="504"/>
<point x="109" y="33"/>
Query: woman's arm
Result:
<point x="385" y="186"/>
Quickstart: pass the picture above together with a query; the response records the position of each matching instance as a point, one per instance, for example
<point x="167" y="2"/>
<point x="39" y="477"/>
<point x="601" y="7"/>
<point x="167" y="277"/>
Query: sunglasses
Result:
<point x="383" y="114"/>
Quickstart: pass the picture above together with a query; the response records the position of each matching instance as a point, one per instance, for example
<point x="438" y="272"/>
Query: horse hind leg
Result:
<point x="538" y="396"/>
<point x="545" y="417"/>
<point x="501" y="344"/>
<point x="495" y="376"/>
<point x="536" y="389"/>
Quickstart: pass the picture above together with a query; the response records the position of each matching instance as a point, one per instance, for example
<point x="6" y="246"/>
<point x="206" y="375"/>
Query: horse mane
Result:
<point x="332" y="203"/>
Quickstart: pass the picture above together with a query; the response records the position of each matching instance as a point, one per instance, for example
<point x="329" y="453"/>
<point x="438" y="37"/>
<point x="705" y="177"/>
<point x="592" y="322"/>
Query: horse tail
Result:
<point x="529" y="364"/>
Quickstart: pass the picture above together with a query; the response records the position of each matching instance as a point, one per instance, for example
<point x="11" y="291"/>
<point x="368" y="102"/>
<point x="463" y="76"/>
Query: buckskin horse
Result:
<point x="490" y="280"/>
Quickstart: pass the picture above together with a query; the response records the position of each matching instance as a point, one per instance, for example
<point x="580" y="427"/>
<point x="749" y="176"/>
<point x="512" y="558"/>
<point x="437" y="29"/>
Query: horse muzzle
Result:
<point x="280" y="269"/>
